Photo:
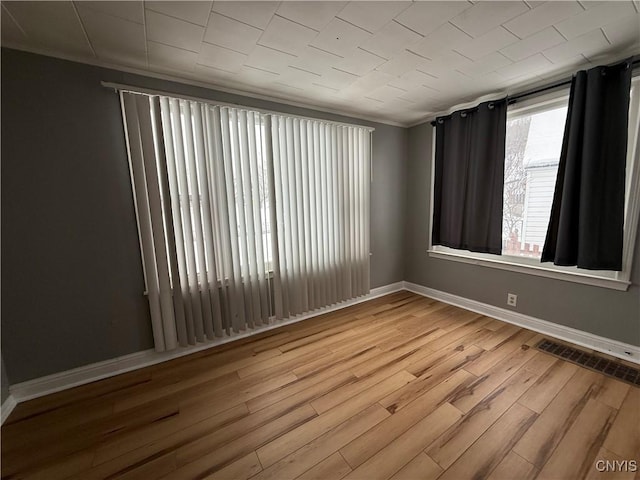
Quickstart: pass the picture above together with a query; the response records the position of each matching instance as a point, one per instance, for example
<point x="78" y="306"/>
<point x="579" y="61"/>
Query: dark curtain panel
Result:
<point x="469" y="176"/>
<point x="586" y="225"/>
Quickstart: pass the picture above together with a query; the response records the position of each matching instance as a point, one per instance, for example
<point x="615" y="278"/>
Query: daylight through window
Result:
<point x="532" y="155"/>
<point x="534" y="134"/>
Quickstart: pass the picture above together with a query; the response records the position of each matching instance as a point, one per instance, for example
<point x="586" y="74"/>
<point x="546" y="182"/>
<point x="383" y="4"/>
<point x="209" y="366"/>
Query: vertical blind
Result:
<point x="244" y="217"/>
<point x="321" y="180"/>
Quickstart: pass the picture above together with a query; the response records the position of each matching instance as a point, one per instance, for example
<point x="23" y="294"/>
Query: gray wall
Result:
<point x="71" y="276"/>
<point x="4" y="391"/>
<point x="388" y="205"/>
<point x="608" y="313"/>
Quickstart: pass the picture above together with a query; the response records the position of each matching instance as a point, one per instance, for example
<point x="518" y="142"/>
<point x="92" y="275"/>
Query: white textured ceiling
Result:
<point x="397" y="61"/>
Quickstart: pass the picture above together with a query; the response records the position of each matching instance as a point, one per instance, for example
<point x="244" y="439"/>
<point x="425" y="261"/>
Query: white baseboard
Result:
<point x="6" y="408"/>
<point x="585" y="339"/>
<point x="57" y="382"/>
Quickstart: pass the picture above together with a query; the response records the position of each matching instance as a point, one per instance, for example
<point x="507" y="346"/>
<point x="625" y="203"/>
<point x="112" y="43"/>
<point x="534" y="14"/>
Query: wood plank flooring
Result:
<point x="400" y="387"/>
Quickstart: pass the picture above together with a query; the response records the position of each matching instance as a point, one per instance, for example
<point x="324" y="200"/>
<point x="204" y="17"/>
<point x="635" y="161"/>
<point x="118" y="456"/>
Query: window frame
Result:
<point x="533" y="266"/>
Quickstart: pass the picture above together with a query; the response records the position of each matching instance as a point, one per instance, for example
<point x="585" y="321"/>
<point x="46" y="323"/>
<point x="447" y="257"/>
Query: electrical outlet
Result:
<point x="512" y="299"/>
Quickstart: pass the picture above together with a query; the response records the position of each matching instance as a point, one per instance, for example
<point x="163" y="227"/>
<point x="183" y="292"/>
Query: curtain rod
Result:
<point x="514" y="98"/>
<point x="120" y="87"/>
<point x="511" y="99"/>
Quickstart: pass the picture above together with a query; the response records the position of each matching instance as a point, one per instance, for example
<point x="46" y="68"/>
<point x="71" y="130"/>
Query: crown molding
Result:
<point x="201" y="84"/>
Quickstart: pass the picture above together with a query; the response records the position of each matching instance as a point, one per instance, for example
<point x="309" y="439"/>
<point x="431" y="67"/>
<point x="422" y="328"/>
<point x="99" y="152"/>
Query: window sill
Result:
<point x="586" y="279"/>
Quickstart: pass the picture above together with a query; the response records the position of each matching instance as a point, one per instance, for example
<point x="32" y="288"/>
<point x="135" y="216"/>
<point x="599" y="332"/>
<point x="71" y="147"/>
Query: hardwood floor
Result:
<point x="401" y="387"/>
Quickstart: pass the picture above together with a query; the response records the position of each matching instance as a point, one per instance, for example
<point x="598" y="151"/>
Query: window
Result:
<point x="244" y="216"/>
<point x="535" y="130"/>
<point x="532" y="155"/>
<point x="192" y="191"/>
